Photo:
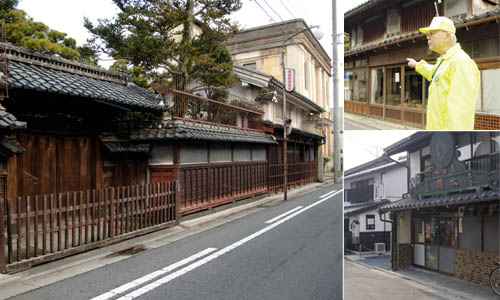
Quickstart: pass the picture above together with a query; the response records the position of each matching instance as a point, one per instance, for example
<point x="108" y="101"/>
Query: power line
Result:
<point x="262" y="8"/>
<point x="299" y="10"/>
<point x="286" y="7"/>
<point x="273" y="10"/>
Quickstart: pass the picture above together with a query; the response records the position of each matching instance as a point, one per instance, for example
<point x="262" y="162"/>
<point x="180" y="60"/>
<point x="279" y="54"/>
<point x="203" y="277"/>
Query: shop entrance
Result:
<point x="434" y="243"/>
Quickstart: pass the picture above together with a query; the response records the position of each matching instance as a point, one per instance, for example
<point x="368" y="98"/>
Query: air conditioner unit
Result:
<point x="380" y="248"/>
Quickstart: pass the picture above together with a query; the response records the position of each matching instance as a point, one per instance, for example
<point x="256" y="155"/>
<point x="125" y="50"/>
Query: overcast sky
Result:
<point x="361" y="146"/>
<point x="67" y="15"/>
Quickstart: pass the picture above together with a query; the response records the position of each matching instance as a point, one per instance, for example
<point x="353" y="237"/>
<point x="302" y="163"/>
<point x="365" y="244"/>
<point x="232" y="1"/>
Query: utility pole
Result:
<point x="336" y="127"/>
<point x="285" y="166"/>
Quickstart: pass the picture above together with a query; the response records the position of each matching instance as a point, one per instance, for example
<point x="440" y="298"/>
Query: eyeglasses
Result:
<point x="430" y="33"/>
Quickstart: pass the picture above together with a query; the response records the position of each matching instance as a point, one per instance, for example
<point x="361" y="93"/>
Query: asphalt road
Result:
<point x="297" y="256"/>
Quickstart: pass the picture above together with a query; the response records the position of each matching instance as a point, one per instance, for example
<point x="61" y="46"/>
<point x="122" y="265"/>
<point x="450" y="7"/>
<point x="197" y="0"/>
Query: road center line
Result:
<point x="130" y="285"/>
<point x="143" y="290"/>
<point x="283" y="215"/>
<point x="327" y="194"/>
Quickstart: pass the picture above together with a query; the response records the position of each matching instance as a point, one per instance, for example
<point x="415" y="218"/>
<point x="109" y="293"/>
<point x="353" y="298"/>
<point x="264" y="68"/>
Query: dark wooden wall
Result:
<point x="52" y="164"/>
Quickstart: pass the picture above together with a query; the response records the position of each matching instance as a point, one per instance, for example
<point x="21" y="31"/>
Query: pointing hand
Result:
<point x="411" y="62"/>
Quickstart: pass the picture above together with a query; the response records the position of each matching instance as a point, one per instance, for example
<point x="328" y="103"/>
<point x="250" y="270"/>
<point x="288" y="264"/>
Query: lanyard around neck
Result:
<point x="437" y="68"/>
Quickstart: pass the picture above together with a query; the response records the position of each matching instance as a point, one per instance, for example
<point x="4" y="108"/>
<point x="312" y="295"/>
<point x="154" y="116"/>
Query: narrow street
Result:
<point x="364" y="283"/>
<point x="265" y="255"/>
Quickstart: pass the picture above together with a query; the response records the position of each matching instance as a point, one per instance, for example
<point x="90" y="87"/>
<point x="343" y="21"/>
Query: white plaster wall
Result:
<point x="414" y="163"/>
<point x="379" y="225"/>
<point x="455" y="7"/>
<point x="395" y="183"/>
<point x="393" y="22"/>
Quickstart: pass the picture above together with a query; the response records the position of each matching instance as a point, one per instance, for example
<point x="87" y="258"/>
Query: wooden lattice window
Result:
<point x="417" y="15"/>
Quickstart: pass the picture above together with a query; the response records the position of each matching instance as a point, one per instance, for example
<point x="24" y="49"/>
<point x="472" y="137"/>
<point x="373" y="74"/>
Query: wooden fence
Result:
<point x="42" y="228"/>
<point x="204" y="186"/>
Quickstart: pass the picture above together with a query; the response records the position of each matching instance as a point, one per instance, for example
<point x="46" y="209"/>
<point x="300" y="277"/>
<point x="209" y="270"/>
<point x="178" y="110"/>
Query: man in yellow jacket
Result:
<point x="455" y="79"/>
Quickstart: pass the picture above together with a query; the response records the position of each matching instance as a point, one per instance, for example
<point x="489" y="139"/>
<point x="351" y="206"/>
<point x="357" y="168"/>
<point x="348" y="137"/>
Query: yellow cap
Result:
<point x="440" y="23"/>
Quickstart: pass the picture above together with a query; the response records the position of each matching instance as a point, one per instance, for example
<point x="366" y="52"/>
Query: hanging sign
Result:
<point x="289" y="80"/>
<point x="378" y="191"/>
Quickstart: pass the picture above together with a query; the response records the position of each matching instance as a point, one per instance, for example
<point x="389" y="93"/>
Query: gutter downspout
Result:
<point x="392" y="226"/>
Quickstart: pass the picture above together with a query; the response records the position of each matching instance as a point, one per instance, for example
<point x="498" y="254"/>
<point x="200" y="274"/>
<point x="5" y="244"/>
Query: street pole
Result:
<point x="336" y="122"/>
<point x="285" y="165"/>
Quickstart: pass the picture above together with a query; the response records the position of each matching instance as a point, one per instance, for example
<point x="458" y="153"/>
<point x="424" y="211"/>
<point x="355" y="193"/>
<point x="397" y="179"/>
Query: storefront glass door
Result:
<point x="446" y="245"/>
<point x="431" y="243"/>
<point x="434" y="243"/>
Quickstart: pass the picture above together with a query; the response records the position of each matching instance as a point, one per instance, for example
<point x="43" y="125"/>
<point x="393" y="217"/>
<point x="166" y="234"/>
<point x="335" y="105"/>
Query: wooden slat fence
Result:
<point x="42" y="228"/>
<point x="204" y="186"/>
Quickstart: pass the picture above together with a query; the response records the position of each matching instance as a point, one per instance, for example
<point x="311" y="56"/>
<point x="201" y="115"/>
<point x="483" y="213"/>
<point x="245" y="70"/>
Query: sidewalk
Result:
<point x="449" y="287"/>
<point x="45" y="274"/>
<point x="366" y="123"/>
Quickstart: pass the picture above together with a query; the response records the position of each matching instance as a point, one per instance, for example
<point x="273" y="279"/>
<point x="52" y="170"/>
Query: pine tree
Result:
<point x="159" y="38"/>
<point x="23" y="31"/>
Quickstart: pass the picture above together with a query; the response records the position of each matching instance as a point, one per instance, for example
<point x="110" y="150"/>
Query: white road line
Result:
<point x="327" y="194"/>
<point x="143" y="290"/>
<point x="130" y="285"/>
<point x="283" y="215"/>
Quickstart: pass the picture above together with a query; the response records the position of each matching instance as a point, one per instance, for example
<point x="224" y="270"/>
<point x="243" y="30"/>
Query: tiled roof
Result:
<point x="266" y="97"/>
<point x="35" y="71"/>
<point x="123" y="147"/>
<point x="9" y="121"/>
<point x="375" y="169"/>
<point x="297" y="132"/>
<point x="33" y="77"/>
<point x="458" y="199"/>
<point x="10" y="145"/>
<point x="362" y="207"/>
<point x="203" y="132"/>
<point x="483" y="15"/>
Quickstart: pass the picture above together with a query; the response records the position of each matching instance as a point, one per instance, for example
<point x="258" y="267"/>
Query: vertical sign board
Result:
<point x="379" y="191"/>
<point x="289" y="80"/>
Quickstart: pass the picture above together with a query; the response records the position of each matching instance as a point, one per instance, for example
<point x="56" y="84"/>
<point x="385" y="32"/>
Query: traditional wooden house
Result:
<point x="97" y="159"/>
<point x="449" y="221"/>
<point x="366" y="188"/>
<point x="383" y="33"/>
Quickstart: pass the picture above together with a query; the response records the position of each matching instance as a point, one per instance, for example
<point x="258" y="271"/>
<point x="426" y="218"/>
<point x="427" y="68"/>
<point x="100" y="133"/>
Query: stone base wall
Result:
<point x="405" y="256"/>
<point x="474" y="265"/>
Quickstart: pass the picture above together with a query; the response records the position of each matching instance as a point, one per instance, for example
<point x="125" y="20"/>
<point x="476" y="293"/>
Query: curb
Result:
<point x="443" y="290"/>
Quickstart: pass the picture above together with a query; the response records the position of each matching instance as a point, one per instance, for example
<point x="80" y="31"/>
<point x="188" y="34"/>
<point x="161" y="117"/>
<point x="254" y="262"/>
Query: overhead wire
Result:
<point x="298" y="10"/>
<point x="273" y="10"/>
<point x="286" y="7"/>
<point x="303" y="51"/>
<point x="265" y="11"/>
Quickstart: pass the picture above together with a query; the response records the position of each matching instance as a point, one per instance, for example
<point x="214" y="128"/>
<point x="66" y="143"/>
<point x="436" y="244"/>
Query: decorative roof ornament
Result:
<point x="447" y="174"/>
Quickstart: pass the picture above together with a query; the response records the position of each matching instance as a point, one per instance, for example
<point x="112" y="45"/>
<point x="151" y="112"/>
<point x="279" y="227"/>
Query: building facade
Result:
<point x="367" y="187"/>
<point x="378" y="82"/>
<point x="449" y="221"/>
<point x="260" y="49"/>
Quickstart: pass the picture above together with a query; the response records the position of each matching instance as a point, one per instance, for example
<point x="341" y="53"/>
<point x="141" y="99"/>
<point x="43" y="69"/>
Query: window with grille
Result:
<point x="417" y="15"/>
<point x="370" y="222"/>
